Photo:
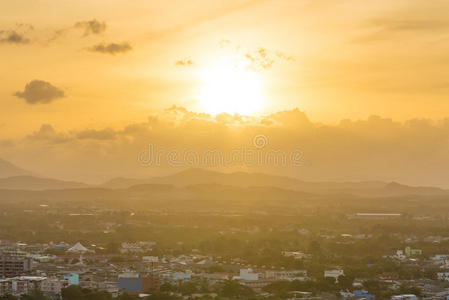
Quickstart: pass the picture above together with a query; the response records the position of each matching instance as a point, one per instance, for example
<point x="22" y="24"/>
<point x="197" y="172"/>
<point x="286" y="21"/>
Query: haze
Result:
<point x="359" y="88"/>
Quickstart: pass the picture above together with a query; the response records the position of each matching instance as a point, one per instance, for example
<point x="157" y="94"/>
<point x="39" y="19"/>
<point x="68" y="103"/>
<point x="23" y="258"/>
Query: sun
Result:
<point x="228" y="88"/>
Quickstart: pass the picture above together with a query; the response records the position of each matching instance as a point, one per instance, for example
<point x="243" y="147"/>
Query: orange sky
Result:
<point x="91" y="65"/>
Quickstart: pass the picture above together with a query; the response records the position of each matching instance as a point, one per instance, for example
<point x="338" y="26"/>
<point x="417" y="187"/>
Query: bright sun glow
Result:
<point x="230" y="89"/>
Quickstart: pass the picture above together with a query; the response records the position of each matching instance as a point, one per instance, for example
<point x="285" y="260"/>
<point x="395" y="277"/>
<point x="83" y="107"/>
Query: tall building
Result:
<point x="14" y="264"/>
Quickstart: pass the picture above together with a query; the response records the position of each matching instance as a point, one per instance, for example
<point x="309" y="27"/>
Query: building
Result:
<point x="404" y="297"/>
<point x="247" y="275"/>
<point x="78" y="248"/>
<point x="22" y="285"/>
<point x="399" y="255"/>
<point x="53" y="286"/>
<point x="363" y="294"/>
<point x="13" y="264"/>
<point x="72" y="278"/>
<point x="133" y="283"/>
<point x="286" y="275"/>
<point x="137" y="247"/>
<point x="412" y="252"/>
<point x="377" y="215"/>
<point x="295" y="254"/>
<point x="443" y="276"/>
<point x="334" y="274"/>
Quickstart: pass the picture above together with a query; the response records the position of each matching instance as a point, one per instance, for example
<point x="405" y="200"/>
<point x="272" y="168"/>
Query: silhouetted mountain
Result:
<point x="242" y="179"/>
<point x="123" y="183"/>
<point x="37" y="183"/>
<point x="394" y="188"/>
<point x="8" y="169"/>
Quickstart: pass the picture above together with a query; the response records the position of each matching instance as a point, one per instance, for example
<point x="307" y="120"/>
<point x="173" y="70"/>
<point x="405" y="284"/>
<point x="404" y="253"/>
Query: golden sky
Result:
<point x="73" y="66"/>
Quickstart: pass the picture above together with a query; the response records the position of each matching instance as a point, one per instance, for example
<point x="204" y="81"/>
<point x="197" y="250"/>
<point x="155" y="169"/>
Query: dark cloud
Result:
<point x="186" y="62"/>
<point x="39" y="91"/>
<point x="13" y="37"/>
<point x="104" y="134"/>
<point x="91" y="27"/>
<point x="111" y="48"/>
<point x="48" y="134"/>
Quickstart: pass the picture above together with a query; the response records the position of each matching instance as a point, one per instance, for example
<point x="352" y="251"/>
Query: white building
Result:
<point x="247" y="274"/>
<point x="399" y="255"/>
<point x="286" y="275"/>
<point x="443" y="276"/>
<point x="53" y="285"/>
<point x="150" y="259"/>
<point x="334" y="273"/>
<point x="295" y="254"/>
<point x="404" y="297"/>
<point x="78" y="248"/>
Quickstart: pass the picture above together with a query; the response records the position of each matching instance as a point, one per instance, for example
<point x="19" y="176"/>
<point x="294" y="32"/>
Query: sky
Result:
<point x="360" y="88"/>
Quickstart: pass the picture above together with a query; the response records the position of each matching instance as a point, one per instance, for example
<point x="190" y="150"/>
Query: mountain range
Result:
<point x="15" y="178"/>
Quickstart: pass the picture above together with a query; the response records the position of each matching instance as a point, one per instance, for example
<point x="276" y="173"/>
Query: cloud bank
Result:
<point x="376" y="148"/>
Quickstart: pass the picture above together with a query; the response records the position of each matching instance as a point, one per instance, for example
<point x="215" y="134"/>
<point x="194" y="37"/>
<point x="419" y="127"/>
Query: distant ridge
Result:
<point x="394" y="188"/>
<point x="8" y="169"/>
<point x="241" y="179"/>
<point x="37" y="183"/>
<point x="201" y="178"/>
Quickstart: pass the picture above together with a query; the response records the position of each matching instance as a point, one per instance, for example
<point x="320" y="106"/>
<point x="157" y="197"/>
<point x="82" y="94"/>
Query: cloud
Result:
<point x="13" y="37"/>
<point x="103" y="134"/>
<point x="262" y="58"/>
<point x="39" y="91"/>
<point x="111" y="48"/>
<point x="375" y="148"/>
<point x="91" y="27"/>
<point x="7" y="143"/>
<point x="48" y="134"/>
<point x="186" y="62"/>
<point x="257" y="59"/>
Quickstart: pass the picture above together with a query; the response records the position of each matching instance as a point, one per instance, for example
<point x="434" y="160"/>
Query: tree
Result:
<point x="233" y="289"/>
<point x="126" y="296"/>
<point x="187" y="288"/>
<point x="8" y="297"/>
<point x="345" y="282"/>
<point x="35" y="295"/>
<point x="162" y="296"/>
<point x="72" y="292"/>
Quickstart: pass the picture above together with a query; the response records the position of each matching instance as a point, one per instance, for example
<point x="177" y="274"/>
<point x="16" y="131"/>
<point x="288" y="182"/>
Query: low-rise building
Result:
<point x="334" y="273"/>
<point x="404" y="297"/>
<point x="412" y="252"/>
<point x="289" y="275"/>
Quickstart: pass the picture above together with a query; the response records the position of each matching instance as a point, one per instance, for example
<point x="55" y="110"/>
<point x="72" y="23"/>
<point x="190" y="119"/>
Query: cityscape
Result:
<point x="224" y="149"/>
